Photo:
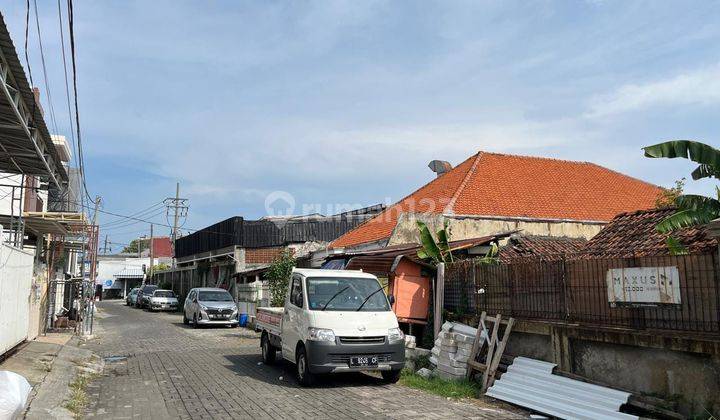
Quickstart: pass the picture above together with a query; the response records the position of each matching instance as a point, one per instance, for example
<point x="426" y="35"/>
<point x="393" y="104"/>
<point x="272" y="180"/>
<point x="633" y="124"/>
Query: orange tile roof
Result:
<point x="492" y="184"/>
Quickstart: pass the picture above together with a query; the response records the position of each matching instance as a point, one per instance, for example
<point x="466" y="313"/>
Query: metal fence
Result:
<point x="573" y="289"/>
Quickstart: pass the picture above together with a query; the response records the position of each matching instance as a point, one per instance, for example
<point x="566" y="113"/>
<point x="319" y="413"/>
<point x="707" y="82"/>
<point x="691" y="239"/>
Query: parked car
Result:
<point x="210" y="306"/>
<point x="143" y="297"/>
<point x="334" y="321"/>
<point x="131" y="298"/>
<point x="163" y="300"/>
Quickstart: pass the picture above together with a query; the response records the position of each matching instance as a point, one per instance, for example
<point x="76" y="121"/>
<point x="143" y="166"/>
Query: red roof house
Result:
<point x="520" y="187"/>
<point x="162" y="248"/>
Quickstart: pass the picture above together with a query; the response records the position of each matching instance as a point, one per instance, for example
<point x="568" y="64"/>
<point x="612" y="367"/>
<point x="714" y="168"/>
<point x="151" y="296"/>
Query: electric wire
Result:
<point x="44" y="69"/>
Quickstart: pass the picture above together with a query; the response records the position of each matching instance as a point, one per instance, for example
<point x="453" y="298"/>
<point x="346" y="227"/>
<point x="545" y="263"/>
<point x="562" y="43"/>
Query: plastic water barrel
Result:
<point x="243" y="320"/>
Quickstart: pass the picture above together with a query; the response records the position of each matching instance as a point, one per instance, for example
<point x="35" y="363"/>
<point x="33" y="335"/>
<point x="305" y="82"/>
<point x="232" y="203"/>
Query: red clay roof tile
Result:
<point x="492" y="184"/>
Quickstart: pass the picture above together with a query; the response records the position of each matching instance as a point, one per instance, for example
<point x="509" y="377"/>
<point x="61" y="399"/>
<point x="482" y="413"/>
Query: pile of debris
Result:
<point x="452" y="351"/>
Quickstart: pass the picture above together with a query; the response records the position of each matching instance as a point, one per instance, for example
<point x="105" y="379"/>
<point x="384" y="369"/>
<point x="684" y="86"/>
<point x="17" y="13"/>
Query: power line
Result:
<point x="139" y="213"/>
<point x="44" y="68"/>
<point x="77" y="109"/>
<point x="67" y="85"/>
<point x="27" y="59"/>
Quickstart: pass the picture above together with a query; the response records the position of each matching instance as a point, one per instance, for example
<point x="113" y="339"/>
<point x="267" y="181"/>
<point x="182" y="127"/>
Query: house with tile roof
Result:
<point x="634" y="235"/>
<point x="491" y="192"/>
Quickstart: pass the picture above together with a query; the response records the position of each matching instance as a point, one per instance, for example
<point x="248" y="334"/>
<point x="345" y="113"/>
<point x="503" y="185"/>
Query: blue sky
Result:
<point x="345" y="102"/>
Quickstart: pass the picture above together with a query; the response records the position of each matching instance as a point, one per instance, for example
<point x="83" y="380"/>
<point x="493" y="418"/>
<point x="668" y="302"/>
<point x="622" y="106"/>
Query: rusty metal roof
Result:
<point x="25" y="143"/>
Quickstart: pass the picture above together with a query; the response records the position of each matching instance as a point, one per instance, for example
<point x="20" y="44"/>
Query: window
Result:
<point x="164" y="293"/>
<point x="296" y="294"/>
<point x="215" y="296"/>
<point x="346" y="294"/>
<point x="191" y="295"/>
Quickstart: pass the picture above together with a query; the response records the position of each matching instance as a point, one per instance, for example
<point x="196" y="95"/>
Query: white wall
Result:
<point x="16" y="270"/>
<point x="6" y="193"/>
<point x="107" y="268"/>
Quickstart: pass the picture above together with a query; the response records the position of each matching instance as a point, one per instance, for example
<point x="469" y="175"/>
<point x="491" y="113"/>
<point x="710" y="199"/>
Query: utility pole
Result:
<point x="150" y="269"/>
<point x="179" y="208"/>
<point x="105" y="247"/>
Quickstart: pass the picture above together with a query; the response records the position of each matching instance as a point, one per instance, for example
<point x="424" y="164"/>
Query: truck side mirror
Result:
<point x="391" y="298"/>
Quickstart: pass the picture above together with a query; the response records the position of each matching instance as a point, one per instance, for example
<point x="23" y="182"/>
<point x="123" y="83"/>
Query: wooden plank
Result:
<point x="476" y="343"/>
<point x="491" y="349"/>
<point x="498" y="353"/>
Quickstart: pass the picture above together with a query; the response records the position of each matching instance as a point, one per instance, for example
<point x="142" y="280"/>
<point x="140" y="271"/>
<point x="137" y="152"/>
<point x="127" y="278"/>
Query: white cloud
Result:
<point x="698" y="87"/>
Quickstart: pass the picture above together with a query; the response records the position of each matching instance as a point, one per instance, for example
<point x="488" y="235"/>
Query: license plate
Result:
<point x="363" y="361"/>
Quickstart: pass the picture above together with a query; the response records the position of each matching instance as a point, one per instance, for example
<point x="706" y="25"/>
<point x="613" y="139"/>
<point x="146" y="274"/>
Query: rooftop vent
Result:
<point x="439" y="167"/>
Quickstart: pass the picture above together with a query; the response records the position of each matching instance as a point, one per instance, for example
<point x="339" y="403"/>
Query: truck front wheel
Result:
<point x="391" y="376"/>
<point x="303" y="368"/>
<point x="268" y="350"/>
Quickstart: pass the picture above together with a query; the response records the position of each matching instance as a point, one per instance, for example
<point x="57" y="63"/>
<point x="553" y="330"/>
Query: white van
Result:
<point x="334" y="321"/>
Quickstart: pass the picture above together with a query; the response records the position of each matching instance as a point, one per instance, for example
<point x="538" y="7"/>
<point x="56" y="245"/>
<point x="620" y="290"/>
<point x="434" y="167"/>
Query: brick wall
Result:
<point x="262" y="255"/>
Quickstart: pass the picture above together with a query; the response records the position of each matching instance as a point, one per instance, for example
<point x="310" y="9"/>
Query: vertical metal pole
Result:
<point x="175" y="222"/>
<point x="439" y="298"/>
<point x="21" y="223"/>
<point x="152" y="255"/>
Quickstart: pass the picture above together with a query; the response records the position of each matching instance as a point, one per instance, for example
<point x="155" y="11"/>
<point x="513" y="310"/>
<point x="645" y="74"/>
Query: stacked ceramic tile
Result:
<point x="452" y="351"/>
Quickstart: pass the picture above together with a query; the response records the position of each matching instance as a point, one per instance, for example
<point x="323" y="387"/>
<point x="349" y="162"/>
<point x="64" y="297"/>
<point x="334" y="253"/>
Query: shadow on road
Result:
<point x="250" y="365"/>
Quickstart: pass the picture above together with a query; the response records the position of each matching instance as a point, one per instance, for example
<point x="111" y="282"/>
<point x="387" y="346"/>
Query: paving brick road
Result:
<point x="161" y="369"/>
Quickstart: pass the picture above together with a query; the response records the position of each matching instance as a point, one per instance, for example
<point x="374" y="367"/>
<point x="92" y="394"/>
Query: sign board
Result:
<point x="643" y="286"/>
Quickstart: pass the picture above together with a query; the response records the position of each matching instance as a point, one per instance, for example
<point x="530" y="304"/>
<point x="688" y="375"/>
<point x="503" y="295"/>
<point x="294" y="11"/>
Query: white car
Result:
<point x="162" y="300"/>
<point x="210" y="306"/>
<point x="334" y="321"/>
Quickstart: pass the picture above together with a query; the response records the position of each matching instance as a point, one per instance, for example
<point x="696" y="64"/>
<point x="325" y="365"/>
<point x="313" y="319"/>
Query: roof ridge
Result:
<point x="389" y="207"/>
<point x="449" y="208"/>
<point x="538" y="157"/>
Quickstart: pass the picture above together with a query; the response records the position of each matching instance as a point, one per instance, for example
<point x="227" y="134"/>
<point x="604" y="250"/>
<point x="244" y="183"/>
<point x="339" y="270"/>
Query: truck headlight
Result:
<point x="395" y="335"/>
<point x="321" y="334"/>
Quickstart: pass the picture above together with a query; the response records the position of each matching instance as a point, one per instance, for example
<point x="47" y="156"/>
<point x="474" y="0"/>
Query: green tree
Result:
<point x="278" y="277"/>
<point x="692" y="210"/>
<point x="137" y="245"/>
<point x="666" y="198"/>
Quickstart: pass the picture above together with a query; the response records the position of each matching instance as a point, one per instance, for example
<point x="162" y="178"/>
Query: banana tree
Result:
<point x="436" y="251"/>
<point x="692" y="210"/>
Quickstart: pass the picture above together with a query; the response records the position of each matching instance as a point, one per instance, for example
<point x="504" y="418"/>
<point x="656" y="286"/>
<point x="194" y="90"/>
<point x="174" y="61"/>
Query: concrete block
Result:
<point x="448" y="349"/>
<point x="421" y="351"/>
<point x="424" y="372"/>
<point x="433" y="360"/>
<point x="443" y="361"/>
<point x="447" y="326"/>
<point x="465" y="339"/>
<point x="435" y="351"/>
<point x="452" y="370"/>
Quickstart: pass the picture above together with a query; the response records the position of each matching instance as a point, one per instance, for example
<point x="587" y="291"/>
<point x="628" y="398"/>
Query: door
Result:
<point x="292" y="317"/>
<point x="187" y="307"/>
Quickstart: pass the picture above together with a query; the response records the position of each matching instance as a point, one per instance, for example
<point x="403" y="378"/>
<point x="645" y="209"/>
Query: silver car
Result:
<point x="163" y="300"/>
<point x="210" y="306"/>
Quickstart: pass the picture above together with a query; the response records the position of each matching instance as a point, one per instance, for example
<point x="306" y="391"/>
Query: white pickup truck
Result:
<point x="333" y="321"/>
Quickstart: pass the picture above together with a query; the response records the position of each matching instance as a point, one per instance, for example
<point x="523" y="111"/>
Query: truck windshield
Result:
<point x="213" y="296"/>
<point x="355" y="291"/>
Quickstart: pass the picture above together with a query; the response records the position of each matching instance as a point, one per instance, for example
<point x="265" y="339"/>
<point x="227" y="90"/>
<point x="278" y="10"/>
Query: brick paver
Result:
<point x="167" y="370"/>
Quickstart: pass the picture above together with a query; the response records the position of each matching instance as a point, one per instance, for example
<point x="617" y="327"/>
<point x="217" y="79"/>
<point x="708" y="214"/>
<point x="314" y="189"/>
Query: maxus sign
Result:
<point x="643" y="285"/>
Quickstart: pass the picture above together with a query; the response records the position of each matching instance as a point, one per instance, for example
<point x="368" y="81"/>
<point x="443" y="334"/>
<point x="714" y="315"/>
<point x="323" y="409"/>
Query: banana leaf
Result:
<point x="705" y="171"/>
<point x="707" y="156"/>
<point x="429" y="248"/>
<point x="675" y="247"/>
<point x="698" y="203"/>
<point x="684" y="219"/>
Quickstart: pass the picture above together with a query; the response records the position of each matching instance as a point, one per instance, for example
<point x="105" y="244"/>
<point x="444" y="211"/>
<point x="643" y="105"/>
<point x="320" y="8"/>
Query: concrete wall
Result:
<point x="690" y="378"/>
<point x="465" y="227"/>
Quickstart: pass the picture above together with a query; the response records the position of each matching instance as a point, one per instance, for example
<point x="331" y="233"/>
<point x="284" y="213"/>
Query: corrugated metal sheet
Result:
<point x="265" y="233"/>
<point x="531" y="384"/>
